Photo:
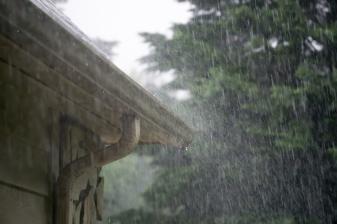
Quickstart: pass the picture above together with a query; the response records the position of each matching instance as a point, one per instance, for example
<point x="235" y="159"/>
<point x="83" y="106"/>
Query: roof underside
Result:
<point x="42" y="31"/>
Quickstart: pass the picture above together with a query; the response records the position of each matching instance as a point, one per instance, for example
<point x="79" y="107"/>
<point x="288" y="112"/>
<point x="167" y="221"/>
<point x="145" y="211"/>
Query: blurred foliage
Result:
<point x="125" y="181"/>
<point x="105" y="46"/>
<point x="264" y="83"/>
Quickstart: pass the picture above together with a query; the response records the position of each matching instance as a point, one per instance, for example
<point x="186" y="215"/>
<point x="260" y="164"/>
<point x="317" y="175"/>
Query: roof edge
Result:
<point x="52" y="32"/>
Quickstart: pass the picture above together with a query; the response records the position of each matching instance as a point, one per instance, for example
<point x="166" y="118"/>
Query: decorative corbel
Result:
<point x="130" y="126"/>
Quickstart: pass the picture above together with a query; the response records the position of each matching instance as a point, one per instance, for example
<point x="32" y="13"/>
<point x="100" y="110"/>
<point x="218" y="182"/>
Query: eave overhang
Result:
<point x="39" y="29"/>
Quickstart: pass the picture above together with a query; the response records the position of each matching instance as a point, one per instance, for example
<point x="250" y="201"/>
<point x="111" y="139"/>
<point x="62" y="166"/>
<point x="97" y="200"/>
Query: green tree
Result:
<point x="264" y="80"/>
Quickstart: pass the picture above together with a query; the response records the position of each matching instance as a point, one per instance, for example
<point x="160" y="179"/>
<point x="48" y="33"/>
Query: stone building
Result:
<point x="65" y="111"/>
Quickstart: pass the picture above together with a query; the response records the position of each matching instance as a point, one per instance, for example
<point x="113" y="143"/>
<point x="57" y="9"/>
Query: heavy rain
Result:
<point x="255" y="81"/>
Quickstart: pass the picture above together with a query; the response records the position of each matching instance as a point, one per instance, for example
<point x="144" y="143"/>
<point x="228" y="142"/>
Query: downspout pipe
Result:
<point x="125" y="145"/>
